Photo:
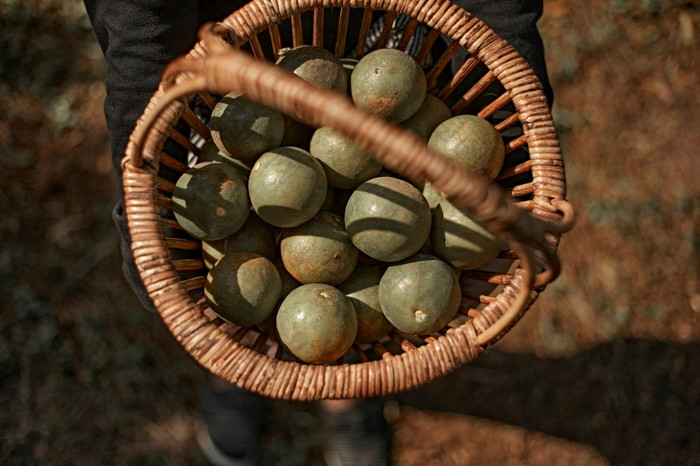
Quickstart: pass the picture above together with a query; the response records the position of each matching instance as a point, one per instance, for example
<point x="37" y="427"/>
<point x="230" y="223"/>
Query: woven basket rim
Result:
<point x="249" y="369"/>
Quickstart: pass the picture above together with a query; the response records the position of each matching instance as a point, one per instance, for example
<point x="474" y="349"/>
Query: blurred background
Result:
<point x="603" y="369"/>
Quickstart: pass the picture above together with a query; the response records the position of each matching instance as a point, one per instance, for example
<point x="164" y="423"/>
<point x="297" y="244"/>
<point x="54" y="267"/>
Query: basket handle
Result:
<point x="225" y="69"/>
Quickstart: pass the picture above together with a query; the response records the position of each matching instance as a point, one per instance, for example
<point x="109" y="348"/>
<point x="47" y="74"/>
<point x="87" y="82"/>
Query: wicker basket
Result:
<point x="526" y="204"/>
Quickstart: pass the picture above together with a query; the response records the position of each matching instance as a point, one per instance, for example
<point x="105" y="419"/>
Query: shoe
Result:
<point x="359" y="436"/>
<point x="230" y="431"/>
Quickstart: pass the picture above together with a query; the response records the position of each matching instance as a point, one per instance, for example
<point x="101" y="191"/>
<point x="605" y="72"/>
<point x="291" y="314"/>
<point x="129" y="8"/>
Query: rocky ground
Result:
<point x="602" y="370"/>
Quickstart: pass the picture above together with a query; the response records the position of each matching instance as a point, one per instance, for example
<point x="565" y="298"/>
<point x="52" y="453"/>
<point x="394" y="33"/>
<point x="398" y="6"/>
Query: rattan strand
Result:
<point x="212" y="344"/>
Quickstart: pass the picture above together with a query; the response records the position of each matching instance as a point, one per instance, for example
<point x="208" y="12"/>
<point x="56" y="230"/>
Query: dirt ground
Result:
<point x="602" y="370"/>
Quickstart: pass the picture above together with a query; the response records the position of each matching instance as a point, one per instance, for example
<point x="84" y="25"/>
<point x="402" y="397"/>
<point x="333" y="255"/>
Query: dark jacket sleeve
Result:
<point x="516" y="22"/>
<point x="138" y="38"/>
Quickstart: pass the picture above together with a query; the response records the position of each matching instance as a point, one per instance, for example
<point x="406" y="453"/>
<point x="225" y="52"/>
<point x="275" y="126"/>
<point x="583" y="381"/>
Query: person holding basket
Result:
<point x="138" y="40"/>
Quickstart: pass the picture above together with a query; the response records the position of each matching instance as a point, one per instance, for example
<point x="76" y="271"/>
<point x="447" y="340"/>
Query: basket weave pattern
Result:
<point x="256" y="362"/>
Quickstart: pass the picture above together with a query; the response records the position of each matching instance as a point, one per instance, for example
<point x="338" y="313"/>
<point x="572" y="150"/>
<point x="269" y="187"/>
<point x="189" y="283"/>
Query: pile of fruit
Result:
<point x="307" y="237"/>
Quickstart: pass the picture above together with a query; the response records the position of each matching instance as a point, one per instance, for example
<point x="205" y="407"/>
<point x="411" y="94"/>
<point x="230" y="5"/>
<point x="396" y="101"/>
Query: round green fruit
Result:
<point x="388" y="83"/>
<point x="243" y="288"/>
<point x="346" y="165"/>
<point x="387" y="218"/>
<point x="317" y="323"/>
<point x="459" y="238"/>
<point x="287" y="186"/>
<point x="420" y="295"/>
<point x="210" y="201"/>
<point x="362" y="287"/>
<point x="245" y="129"/>
<point x="254" y="236"/>
<point x="319" y="251"/>
<point x="211" y="153"/>
<point x="315" y="65"/>
<point x="429" y="115"/>
<point x="470" y="142"/>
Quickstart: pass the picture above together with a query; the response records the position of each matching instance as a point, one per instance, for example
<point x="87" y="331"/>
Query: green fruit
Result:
<point x="387" y="218"/>
<point x="315" y="65"/>
<point x="346" y="165"/>
<point x="254" y="236"/>
<point x="317" y="323"/>
<point x="211" y="153"/>
<point x="388" y="83"/>
<point x="431" y="113"/>
<point x="420" y="295"/>
<point x="459" y="238"/>
<point x="471" y="142"/>
<point x="362" y="287"/>
<point x="210" y="201"/>
<point x="243" y="288"/>
<point x="287" y="186"/>
<point x="319" y="251"/>
<point x="245" y="129"/>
